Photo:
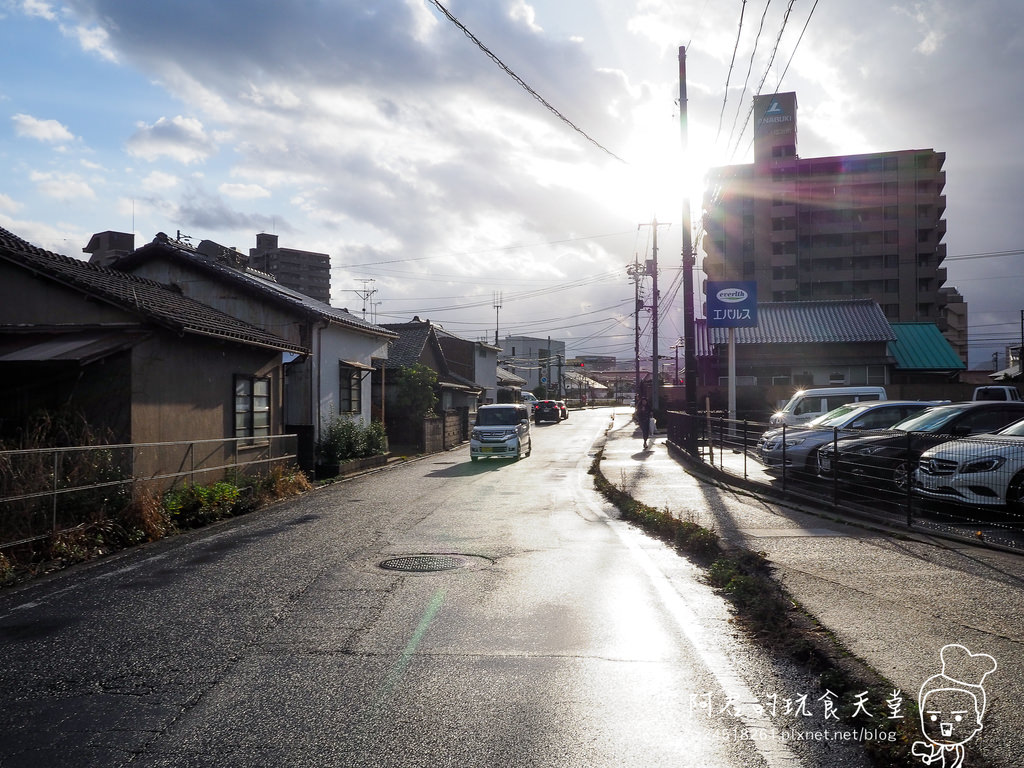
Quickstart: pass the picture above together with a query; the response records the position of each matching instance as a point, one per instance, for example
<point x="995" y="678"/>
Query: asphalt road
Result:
<point x="437" y="613"/>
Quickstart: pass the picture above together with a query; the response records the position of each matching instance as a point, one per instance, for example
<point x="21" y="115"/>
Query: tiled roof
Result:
<point x="254" y="282"/>
<point x="509" y="379"/>
<point x="407" y="348"/>
<point x="146" y="298"/>
<point x="813" y="322"/>
<point x="922" y="347"/>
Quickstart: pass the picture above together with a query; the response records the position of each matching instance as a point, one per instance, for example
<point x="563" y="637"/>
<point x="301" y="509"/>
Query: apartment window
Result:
<point x="252" y="406"/>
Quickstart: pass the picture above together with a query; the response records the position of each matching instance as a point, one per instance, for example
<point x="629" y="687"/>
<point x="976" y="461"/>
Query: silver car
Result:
<point x="987" y="470"/>
<point x="796" y="448"/>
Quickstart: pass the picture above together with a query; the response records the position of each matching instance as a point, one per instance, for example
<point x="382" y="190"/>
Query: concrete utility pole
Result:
<point x="634" y="272"/>
<point x="652" y="270"/>
<point x="497" y="306"/>
<point x="689" y="324"/>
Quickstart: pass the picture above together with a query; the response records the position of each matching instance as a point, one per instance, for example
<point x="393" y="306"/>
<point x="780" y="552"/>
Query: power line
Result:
<point x="750" y="68"/>
<point x="767" y="71"/>
<point x="728" y="75"/>
<point x="522" y="82"/>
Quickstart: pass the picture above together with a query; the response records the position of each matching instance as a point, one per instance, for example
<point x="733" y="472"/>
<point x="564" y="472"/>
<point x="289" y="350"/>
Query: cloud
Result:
<point x="93" y="39"/>
<point x="243" y="191"/>
<point x="50" y="131"/>
<point x="66" y="187"/>
<point x="181" y="138"/>
<point x="158" y="181"/>
<point x="8" y="204"/>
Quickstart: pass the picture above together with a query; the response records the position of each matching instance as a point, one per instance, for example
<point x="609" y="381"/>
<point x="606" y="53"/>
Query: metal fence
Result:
<point x="48" y="490"/>
<point x="968" y="487"/>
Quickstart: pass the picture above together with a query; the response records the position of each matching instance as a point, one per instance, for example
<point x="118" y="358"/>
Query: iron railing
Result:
<point x="969" y="487"/>
<point x="47" y="490"/>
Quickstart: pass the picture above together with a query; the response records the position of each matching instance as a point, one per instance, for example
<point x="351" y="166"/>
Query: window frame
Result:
<point x="252" y="407"/>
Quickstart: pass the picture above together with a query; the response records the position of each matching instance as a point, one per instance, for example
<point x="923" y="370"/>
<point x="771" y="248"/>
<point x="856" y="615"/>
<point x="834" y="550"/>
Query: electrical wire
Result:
<point x="522" y="83"/>
<point x="728" y="75"/>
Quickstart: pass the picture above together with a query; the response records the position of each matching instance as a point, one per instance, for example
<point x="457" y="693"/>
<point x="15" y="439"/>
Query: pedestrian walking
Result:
<point x="644" y="418"/>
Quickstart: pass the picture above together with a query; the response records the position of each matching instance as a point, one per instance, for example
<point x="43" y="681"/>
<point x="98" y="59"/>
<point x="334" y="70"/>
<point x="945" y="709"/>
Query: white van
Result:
<point x="501" y="431"/>
<point x="807" y="404"/>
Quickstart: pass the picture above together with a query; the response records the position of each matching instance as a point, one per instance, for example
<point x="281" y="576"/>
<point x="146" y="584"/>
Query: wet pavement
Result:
<point x="894" y="598"/>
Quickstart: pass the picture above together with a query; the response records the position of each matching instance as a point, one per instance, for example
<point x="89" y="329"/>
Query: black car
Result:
<point x="546" y="410"/>
<point x="885" y="461"/>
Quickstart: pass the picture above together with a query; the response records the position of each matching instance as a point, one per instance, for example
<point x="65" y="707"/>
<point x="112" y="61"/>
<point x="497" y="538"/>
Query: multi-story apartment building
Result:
<point x="307" y="272"/>
<point x="539" y="361"/>
<point x="851" y="226"/>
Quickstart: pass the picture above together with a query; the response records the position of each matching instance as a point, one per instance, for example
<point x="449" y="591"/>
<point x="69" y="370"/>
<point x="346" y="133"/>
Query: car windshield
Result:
<point x="1015" y="430"/>
<point x="928" y="420"/>
<point x="837" y="417"/>
<point x="496" y="417"/>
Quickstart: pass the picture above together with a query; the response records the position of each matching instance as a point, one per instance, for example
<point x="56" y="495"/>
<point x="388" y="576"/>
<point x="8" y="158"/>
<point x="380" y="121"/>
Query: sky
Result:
<point x="503" y="184"/>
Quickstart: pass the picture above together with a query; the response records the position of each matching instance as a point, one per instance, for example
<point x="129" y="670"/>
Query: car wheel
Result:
<point x="1015" y="493"/>
<point x="900" y="477"/>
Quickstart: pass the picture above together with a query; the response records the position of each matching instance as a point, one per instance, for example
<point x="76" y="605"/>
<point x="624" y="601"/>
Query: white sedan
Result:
<point x="986" y="470"/>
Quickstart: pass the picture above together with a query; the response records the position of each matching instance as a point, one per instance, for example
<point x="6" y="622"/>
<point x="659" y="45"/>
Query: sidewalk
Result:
<point x="893" y="600"/>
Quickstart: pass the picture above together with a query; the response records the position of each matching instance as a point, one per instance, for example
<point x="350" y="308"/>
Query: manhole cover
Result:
<point x="423" y="563"/>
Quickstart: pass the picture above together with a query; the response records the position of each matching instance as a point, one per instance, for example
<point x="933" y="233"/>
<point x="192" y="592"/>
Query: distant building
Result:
<point x="955" y="313"/>
<point x="540" y="361"/>
<point x="307" y="272"/>
<point x="822" y="229"/>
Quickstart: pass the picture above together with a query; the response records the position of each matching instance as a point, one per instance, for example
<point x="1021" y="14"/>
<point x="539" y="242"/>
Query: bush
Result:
<point x="199" y="505"/>
<point x="343" y="438"/>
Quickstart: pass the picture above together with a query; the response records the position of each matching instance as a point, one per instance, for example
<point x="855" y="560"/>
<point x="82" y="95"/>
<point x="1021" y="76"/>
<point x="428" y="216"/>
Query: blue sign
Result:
<point x="732" y="304"/>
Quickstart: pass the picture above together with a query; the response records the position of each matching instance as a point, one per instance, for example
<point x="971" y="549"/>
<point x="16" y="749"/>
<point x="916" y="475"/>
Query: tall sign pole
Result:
<point x="689" y="330"/>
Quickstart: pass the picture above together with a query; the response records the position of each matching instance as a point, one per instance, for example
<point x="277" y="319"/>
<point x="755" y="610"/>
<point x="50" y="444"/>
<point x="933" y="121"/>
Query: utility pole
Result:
<point x="652" y="270"/>
<point x="689" y="330"/>
<point x="634" y="272"/>
<point x="497" y="306"/>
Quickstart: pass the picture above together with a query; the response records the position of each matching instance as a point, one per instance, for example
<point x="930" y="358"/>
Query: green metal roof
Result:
<point x="922" y="347"/>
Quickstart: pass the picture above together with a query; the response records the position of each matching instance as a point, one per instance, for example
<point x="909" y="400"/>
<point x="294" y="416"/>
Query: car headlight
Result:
<point x="791" y="441"/>
<point x="983" y="465"/>
<point x="866" y="450"/>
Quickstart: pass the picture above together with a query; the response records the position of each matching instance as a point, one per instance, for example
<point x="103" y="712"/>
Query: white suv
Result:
<point x="501" y="430"/>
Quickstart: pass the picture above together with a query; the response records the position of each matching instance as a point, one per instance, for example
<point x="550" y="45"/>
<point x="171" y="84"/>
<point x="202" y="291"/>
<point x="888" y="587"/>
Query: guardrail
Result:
<point x="47" y="490"/>
<point x="969" y="487"/>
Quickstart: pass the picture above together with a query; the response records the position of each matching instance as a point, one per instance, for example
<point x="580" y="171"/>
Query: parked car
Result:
<point x="808" y="404"/>
<point x="501" y="430"/>
<point x="546" y="410"/>
<point x="996" y="393"/>
<point x="886" y="461"/>
<point x="987" y="470"/>
<point x="796" y="448"/>
<point x="563" y="408"/>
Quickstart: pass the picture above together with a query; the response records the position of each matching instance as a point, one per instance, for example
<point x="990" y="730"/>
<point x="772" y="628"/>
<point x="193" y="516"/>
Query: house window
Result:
<point x="350" y="390"/>
<point x="252" y="406"/>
